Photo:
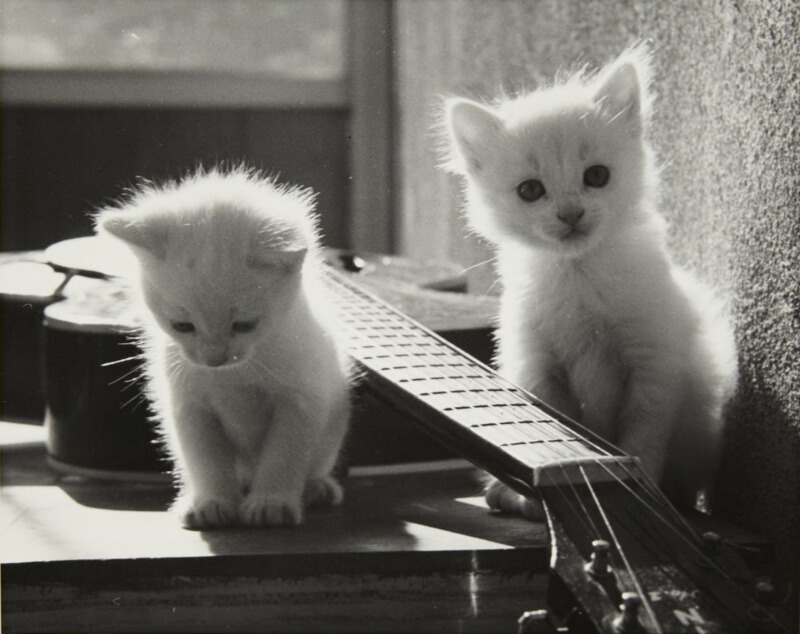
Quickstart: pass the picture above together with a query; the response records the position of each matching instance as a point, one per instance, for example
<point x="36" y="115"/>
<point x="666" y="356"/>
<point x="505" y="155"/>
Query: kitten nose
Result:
<point x="570" y="215"/>
<point x="215" y="357"/>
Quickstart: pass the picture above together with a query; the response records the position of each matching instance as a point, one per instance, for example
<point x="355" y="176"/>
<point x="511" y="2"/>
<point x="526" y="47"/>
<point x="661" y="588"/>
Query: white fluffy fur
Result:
<point x="253" y="401"/>
<point x="595" y="318"/>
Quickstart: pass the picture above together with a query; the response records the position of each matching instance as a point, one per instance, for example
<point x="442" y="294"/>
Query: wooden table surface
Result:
<point x="411" y="549"/>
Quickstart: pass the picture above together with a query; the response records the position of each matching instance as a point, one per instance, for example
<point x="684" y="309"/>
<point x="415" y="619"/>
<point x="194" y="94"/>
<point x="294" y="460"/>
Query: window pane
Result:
<point x="302" y="39"/>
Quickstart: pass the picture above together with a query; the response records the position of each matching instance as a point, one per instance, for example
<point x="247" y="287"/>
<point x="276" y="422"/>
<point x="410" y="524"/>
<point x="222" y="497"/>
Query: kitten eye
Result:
<point x="182" y="327"/>
<point x="530" y="190"/>
<point x="596" y="176"/>
<point x="243" y="327"/>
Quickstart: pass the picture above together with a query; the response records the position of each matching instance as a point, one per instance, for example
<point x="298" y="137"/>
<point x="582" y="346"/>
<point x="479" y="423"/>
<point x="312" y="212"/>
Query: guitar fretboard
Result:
<point x="459" y="399"/>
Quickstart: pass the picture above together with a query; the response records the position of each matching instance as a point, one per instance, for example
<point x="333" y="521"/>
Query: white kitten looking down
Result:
<point x="595" y="318"/>
<point x="247" y="379"/>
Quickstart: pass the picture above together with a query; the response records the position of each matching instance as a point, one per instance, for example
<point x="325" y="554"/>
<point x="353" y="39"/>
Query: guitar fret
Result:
<point x="529" y="429"/>
<point x="506" y="435"/>
<point x="544" y="453"/>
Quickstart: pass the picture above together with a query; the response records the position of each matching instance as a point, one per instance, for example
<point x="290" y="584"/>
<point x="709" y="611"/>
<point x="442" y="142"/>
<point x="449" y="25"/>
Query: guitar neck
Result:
<point x="655" y="557"/>
<point x="464" y="403"/>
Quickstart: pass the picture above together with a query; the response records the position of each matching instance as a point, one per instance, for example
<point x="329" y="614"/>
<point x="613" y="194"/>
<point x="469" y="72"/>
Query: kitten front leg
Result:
<point x="648" y="417"/>
<point x="276" y="492"/>
<point x="502" y="497"/>
<point x="538" y="371"/>
<point x="321" y="488"/>
<point x="205" y="460"/>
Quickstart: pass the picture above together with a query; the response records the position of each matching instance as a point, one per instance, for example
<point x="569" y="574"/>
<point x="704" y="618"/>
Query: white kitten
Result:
<point x="245" y="373"/>
<point x="595" y="318"/>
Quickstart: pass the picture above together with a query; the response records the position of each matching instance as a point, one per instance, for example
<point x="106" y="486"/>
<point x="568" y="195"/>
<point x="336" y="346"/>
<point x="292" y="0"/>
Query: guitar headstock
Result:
<point x="624" y="560"/>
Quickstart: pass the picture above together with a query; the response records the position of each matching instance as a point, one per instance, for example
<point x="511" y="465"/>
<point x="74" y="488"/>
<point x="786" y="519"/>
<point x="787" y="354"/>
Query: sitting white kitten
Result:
<point x="248" y="381"/>
<point x="595" y="318"/>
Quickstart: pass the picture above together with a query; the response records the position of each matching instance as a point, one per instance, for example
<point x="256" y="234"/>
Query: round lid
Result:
<point x="26" y="281"/>
<point x="103" y="306"/>
<point x="92" y="256"/>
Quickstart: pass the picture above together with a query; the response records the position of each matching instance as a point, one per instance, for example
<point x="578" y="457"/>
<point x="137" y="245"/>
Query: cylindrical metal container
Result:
<point x="26" y="288"/>
<point x="98" y="418"/>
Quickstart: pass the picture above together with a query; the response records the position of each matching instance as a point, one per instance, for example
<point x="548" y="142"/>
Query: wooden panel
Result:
<point x="62" y="164"/>
<point x="371" y="85"/>
<point x="310" y="148"/>
<point x="58" y="164"/>
<point x="173" y="88"/>
<point x="168" y="143"/>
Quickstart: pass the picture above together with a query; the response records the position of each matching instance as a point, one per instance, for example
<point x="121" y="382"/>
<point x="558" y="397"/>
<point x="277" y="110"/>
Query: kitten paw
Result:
<point x="502" y="498"/>
<point x="271" y="510"/>
<point x="204" y="514"/>
<point x="323" y="491"/>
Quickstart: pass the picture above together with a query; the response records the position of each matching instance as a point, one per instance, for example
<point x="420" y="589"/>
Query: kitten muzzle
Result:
<point x="216" y="357"/>
<point x="570" y="215"/>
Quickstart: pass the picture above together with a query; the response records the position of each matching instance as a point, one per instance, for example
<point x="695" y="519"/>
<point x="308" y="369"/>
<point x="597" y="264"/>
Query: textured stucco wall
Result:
<point x="728" y="132"/>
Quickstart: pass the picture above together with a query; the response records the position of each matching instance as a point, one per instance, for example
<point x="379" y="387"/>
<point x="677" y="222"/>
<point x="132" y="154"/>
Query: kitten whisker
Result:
<point x="137" y="398"/>
<point x="136" y="357"/>
<point x="479" y="264"/>
<point x="489" y="290"/>
<point x="264" y="369"/>
<point x="125" y="377"/>
<point x="133" y="382"/>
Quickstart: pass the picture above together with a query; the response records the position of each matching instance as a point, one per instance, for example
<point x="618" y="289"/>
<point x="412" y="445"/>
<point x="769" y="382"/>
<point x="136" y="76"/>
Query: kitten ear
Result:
<point x="266" y="258"/>
<point x="473" y="131"/>
<point x="143" y="233"/>
<point x="622" y="95"/>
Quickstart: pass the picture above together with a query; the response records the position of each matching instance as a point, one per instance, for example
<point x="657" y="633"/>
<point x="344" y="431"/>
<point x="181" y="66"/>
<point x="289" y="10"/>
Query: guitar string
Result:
<point x="585" y="519"/>
<point x="659" y="545"/>
<point x="488" y="375"/>
<point x="618" y="545"/>
<point x="634" y="578"/>
<point x="660" y="501"/>
<point x="691" y="539"/>
<point x="574" y="489"/>
<point x="700" y="558"/>
<point x="688" y="536"/>
<point x="658" y="498"/>
<point x="651" y="491"/>
<point x="594" y="529"/>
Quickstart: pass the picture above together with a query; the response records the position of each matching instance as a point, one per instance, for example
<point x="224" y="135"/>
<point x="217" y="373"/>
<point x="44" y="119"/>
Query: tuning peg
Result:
<point x="765" y="591"/>
<point x="628" y="621"/>
<point x="711" y="543"/>
<point x="536" y="622"/>
<point x="598" y="565"/>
